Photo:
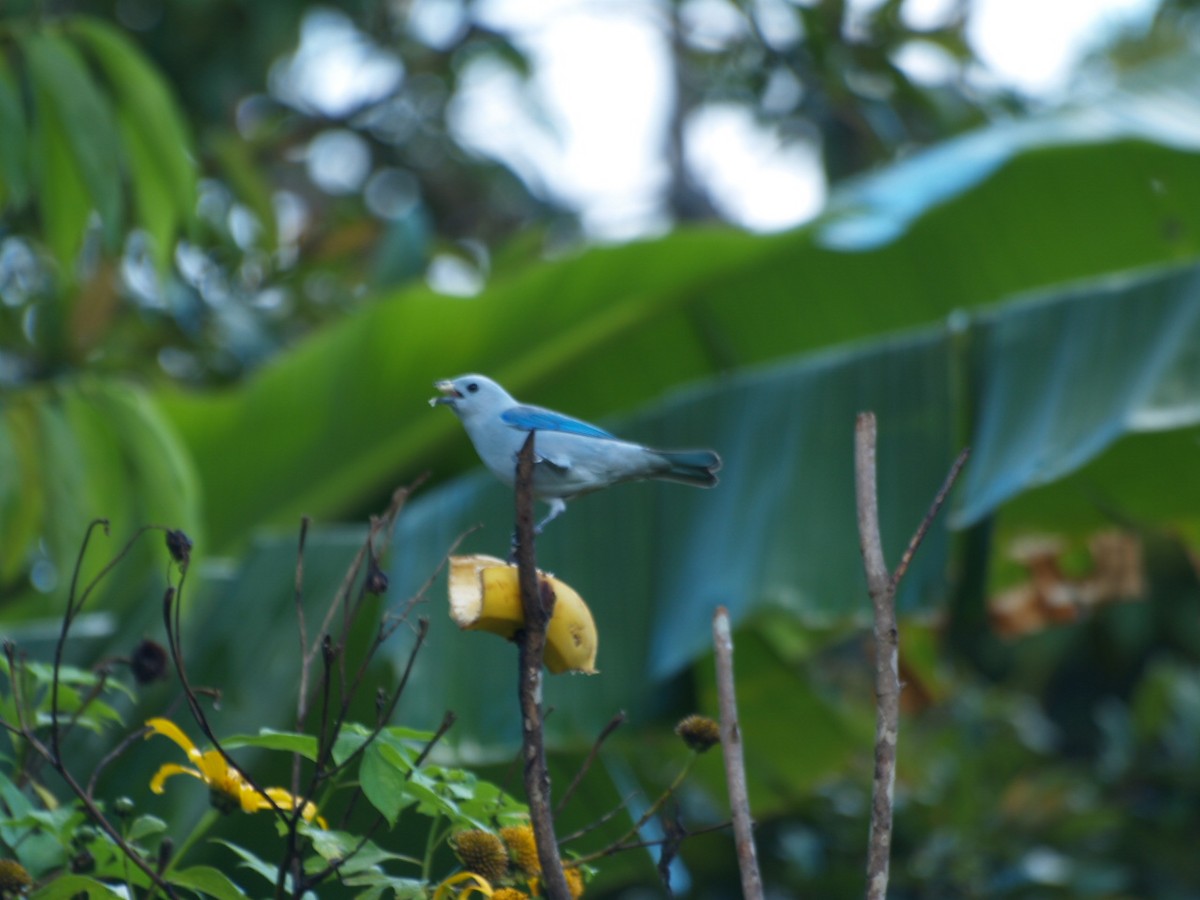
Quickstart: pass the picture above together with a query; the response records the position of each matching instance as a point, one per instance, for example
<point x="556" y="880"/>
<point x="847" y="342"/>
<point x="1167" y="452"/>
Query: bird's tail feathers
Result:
<point x="697" y="467"/>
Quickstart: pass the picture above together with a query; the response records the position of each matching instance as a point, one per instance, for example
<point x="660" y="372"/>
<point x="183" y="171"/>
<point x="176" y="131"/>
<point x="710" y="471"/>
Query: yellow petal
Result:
<point x="219" y="775"/>
<point x="479" y="886"/>
<point x="287" y="800"/>
<point x="165" y="771"/>
<point x="169" y="729"/>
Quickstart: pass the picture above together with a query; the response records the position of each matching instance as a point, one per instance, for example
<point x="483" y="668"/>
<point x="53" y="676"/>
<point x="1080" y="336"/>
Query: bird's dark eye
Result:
<point x="472" y="387"/>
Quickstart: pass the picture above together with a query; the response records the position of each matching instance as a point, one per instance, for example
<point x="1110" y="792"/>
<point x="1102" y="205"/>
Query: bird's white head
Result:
<point x="470" y="395"/>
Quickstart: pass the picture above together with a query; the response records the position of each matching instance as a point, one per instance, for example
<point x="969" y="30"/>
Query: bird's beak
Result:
<point x="449" y="394"/>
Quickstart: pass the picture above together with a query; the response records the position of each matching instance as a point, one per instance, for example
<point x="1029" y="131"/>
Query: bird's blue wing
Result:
<point x="534" y="418"/>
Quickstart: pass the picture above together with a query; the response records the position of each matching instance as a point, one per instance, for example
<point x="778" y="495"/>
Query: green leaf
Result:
<point x="349" y="740"/>
<point x="98" y="712"/>
<point x="1039" y="420"/>
<point x="21" y="508"/>
<point x="255" y="864"/>
<point x="66" y="93"/>
<point x="145" y="826"/>
<point x="945" y="233"/>
<point x="67" y="887"/>
<point x="332" y="846"/>
<point x="380" y="884"/>
<point x="66" y="491"/>
<point x="98" y="449"/>
<point x="242" y="172"/>
<point x="270" y="739"/>
<point x="14" y="149"/>
<point x="61" y="194"/>
<point x="157" y="213"/>
<point x="154" y="137"/>
<point x="207" y="880"/>
<point x="382" y="774"/>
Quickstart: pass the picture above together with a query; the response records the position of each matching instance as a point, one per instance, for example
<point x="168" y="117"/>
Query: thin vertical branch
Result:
<point x="302" y="624"/>
<point x="735" y="763"/>
<point x="537" y="600"/>
<point x="887" y="658"/>
<point x="882" y="587"/>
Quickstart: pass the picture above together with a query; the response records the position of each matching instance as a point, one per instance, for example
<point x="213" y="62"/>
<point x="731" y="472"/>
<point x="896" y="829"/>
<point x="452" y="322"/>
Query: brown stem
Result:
<point x="882" y="587"/>
<point x="887" y="658"/>
<point x="537" y="601"/>
<point x="934" y="508"/>
<point x="735" y="763"/>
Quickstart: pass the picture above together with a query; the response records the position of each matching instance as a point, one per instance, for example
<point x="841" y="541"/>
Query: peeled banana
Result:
<point x="485" y="596"/>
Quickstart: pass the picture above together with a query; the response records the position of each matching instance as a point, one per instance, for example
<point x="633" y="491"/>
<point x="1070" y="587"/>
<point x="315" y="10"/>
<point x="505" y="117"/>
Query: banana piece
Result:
<point x="485" y="596"/>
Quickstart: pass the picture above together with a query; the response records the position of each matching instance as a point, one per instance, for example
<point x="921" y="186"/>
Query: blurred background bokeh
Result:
<point x="240" y="239"/>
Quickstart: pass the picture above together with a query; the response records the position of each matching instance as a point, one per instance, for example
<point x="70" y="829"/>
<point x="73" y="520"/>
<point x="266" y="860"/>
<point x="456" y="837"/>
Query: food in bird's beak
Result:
<point x="449" y="394"/>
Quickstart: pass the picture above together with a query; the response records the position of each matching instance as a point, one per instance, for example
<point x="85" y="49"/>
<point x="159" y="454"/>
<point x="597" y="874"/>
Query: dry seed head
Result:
<point x="483" y="853"/>
<point x="14" y="879"/>
<point x="700" y="733"/>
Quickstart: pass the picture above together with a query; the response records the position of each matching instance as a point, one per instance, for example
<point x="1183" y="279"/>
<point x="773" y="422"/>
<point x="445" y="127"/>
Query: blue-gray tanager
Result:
<point x="571" y="457"/>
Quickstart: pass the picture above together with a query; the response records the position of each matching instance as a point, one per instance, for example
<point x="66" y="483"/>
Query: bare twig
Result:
<point x="887" y="658"/>
<point x="537" y="600"/>
<point x="650" y="812"/>
<point x="383" y="718"/>
<point x="171" y="604"/>
<point x="316" y="878"/>
<point x="302" y="623"/>
<point x="603" y="820"/>
<point x="52" y="753"/>
<point x="613" y="724"/>
<point x="735" y="763"/>
<point x="639" y="844"/>
<point x="934" y="508"/>
<point x="109" y="758"/>
<point x="882" y="588"/>
<point x="73" y="609"/>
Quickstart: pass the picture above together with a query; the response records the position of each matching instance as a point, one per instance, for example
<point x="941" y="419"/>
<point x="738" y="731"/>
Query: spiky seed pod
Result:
<point x="523" y="847"/>
<point x="483" y="853"/>
<point x="700" y="733"/>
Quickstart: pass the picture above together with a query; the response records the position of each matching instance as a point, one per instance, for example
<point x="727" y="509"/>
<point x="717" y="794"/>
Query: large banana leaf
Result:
<point x="1041" y="387"/>
<point x="339" y="419"/>
<point x="778" y="534"/>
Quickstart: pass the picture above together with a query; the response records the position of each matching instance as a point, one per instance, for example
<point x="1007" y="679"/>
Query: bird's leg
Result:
<point x="557" y="507"/>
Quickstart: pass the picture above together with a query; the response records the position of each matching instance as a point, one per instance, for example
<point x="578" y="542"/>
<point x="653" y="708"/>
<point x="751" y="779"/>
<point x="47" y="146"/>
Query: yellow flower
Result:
<point x="520" y="842"/>
<point x="571" y="874"/>
<point x="479" y="885"/>
<point x="229" y="790"/>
